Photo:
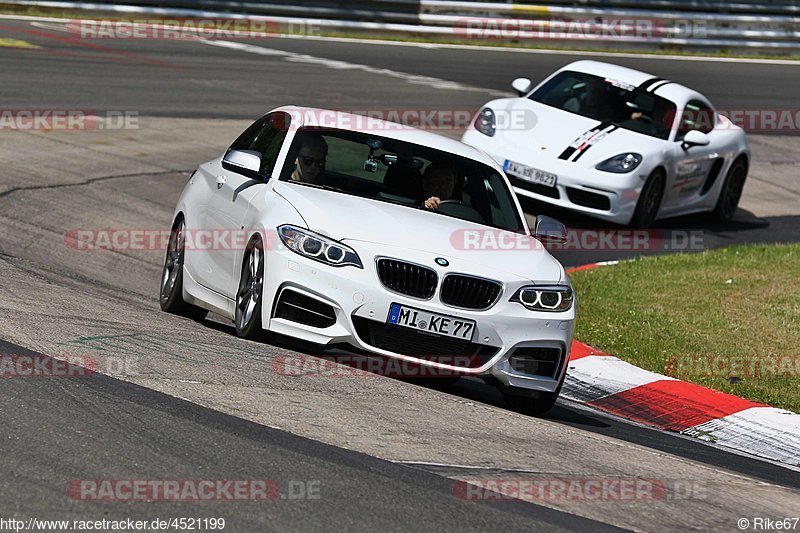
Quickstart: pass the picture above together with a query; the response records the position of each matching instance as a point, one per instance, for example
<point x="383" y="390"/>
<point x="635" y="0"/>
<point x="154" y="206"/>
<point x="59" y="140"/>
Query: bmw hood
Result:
<point x="353" y="219"/>
<point x="530" y="131"/>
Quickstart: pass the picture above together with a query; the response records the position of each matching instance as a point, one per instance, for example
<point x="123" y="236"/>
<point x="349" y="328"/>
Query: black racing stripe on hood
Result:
<point x="590" y="145"/>
<point x="569" y="150"/>
<point x="567" y="153"/>
<point x="602" y="126"/>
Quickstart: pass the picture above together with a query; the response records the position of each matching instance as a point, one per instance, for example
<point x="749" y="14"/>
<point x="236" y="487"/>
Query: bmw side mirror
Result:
<point x="695" y="138"/>
<point x="522" y="86"/>
<point x="549" y="230"/>
<point x="244" y="162"/>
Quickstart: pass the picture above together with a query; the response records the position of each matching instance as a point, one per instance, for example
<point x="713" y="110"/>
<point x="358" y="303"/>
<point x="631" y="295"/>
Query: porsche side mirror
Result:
<point x="522" y="86"/>
<point x="549" y="230"/>
<point x="244" y="162"/>
<point x="695" y="138"/>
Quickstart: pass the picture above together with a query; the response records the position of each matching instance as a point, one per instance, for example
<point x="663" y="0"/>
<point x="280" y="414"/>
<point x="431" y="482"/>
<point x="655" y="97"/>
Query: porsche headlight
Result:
<point x="318" y="247"/>
<point x="486" y="122"/>
<point x="621" y="164"/>
<point x="554" y="298"/>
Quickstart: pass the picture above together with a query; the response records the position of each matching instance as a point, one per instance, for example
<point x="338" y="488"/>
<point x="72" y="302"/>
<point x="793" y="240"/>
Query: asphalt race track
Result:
<point x="189" y="400"/>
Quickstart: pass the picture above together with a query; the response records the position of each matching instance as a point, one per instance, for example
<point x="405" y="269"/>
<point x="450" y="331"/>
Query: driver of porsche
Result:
<point x="438" y="183"/>
<point x="311" y="158"/>
<point x="594" y="101"/>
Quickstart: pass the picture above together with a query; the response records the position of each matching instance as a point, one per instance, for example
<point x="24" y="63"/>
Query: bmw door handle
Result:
<point x="221" y="181"/>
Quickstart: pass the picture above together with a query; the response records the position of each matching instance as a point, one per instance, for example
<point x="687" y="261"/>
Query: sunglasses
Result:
<point x="308" y="161"/>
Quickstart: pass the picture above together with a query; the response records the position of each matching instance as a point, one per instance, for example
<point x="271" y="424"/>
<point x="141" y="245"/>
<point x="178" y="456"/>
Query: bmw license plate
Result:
<point x="420" y="320"/>
<point x="533" y="175"/>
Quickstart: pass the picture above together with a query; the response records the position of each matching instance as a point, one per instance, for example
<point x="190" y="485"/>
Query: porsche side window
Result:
<point x="265" y="136"/>
<point x="696" y="116"/>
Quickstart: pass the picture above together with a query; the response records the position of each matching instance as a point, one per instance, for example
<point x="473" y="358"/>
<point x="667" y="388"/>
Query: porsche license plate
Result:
<point x="533" y="175"/>
<point x="409" y="317"/>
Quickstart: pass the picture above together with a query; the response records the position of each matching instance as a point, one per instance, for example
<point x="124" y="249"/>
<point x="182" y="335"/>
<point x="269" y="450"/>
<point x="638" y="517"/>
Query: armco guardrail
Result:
<point x="367" y="10"/>
<point x="768" y="7"/>
<point x="494" y="20"/>
<point x="611" y="23"/>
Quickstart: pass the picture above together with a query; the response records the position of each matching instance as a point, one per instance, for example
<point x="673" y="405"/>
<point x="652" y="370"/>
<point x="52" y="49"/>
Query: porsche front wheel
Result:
<point x="649" y="200"/>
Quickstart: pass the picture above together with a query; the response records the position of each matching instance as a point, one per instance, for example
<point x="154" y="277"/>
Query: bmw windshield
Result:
<point x="403" y="173"/>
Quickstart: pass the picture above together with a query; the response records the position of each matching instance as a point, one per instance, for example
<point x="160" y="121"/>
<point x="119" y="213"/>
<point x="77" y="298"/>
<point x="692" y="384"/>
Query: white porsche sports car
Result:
<point x="377" y="235"/>
<point x="616" y="144"/>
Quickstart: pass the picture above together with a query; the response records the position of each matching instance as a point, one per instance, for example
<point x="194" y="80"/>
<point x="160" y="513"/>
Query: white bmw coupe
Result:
<point x="616" y="144"/>
<point x="399" y="242"/>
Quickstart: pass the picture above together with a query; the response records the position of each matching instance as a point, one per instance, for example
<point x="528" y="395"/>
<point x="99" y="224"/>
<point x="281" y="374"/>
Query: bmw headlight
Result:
<point x="318" y="247"/>
<point x="486" y="122"/>
<point x="621" y="164"/>
<point x="555" y="298"/>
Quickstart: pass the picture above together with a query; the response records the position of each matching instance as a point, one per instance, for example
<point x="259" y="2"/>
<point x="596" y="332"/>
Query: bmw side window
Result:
<point x="269" y="140"/>
<point x="266" y="137"/>
<point x="501" y="204"/>
<point x="245" y="140"/>
<point x="696" y="116"/>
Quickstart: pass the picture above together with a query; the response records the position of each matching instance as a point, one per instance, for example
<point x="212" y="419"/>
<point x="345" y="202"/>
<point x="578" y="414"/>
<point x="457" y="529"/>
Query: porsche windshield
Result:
<point x="401" y="173"/>
<point x="608" y="101"/>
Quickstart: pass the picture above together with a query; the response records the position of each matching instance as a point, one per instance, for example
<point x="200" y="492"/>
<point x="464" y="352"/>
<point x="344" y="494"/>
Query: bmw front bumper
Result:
<point x="359" y="305"/>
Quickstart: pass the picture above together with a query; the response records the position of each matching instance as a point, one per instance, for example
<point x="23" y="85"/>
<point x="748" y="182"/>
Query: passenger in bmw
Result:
<point x="438" y="183"/>
<point x="311" y="159"/>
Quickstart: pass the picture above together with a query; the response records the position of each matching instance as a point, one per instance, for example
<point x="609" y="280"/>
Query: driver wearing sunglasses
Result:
<point x="311" y="158"/>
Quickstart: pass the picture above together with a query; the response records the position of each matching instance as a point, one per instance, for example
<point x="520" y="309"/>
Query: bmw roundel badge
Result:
<point x="441" y="261"/>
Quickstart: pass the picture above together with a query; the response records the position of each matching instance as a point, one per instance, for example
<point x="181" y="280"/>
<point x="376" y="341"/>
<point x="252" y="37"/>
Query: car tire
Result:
<point x="649" y="200"/>
<point x="171" y="294"/>
<point x="528" y="403"/>
<point x="731" y="192"/>
<point x="249" y="295"/>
